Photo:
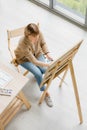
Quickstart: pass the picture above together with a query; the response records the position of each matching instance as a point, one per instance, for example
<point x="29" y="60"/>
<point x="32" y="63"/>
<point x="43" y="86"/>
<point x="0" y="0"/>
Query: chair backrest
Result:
<point x="13" y="36"/>
<point x="60" y="64"/>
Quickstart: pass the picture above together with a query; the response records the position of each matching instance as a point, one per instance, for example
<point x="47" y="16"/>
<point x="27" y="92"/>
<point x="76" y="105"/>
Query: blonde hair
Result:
<point x="31" y="29"/>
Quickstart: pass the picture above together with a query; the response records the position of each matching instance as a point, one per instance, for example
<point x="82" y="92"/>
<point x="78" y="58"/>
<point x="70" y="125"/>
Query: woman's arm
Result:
<point x="33" y="59"/>
<point x="45" y="48"/>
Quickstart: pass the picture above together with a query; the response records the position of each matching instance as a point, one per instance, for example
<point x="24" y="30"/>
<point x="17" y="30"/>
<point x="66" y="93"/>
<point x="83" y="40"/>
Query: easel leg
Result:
<point x="76" y="91"/>
<point x="44" y="92"/>
<point x="25" y="101"/>
<point x="42" y="97"/>
<point x="63" y="77"/>
<point x="48" y="84"/>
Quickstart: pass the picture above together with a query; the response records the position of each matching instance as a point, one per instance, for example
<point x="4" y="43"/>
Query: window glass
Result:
<point x="78" y="7"/>
<point x="74" y="8"/>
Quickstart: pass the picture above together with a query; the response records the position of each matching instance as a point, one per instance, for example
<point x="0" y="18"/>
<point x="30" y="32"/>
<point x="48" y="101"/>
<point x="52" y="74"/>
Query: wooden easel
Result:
<point x="57" y="67"/>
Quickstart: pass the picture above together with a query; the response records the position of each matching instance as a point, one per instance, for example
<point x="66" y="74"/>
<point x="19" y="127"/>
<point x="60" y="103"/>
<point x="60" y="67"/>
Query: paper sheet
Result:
<point x="5" y="78"/>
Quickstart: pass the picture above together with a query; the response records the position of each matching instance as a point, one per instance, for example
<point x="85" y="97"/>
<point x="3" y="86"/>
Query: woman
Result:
<point x="30" y="54"/>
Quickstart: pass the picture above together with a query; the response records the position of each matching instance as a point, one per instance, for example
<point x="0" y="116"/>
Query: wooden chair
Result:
<point x="56" y="68"/>
<point x="14" y="35"/>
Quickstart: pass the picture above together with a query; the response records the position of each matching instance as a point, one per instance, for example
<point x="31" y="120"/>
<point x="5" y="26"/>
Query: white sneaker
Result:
<point x="48" y="101"/>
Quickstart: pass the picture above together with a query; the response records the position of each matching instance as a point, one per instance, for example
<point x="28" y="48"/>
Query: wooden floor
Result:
<point x="60" y="36"/>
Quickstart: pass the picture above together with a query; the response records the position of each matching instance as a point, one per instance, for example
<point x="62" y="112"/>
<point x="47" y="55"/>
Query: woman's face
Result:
<point x="33" y="38"/>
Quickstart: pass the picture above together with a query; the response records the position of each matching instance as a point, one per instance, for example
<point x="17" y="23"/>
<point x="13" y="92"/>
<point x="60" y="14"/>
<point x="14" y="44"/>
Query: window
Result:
<point x="75" y="9"/>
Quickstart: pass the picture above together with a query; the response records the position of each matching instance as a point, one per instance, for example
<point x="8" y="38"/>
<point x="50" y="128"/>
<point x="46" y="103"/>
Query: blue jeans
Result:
<point x="36" y="70"/>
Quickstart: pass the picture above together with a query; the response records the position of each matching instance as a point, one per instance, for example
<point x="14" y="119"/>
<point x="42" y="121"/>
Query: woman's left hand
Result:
<point x="49" y="57"/>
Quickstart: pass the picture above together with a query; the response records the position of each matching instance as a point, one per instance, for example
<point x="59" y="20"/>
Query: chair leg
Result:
<point x="26" y="72"/>
<point x="62" y="80"/>
<point x="75" y="91"/>
<point x="18" y="70"/>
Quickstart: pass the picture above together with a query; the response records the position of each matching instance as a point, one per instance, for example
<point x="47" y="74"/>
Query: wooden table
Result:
<point x="9" y="105"/>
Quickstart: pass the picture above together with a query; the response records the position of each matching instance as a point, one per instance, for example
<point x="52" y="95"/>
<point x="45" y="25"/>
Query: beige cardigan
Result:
<point x="28" y="52"/>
